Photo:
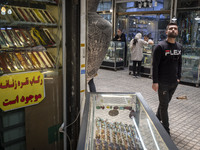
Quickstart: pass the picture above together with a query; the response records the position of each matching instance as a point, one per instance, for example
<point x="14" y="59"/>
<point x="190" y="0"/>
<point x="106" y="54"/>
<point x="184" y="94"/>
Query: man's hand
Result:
<point x="150" y="42"/>
<point x="119" y="39"/>
<point x="155" y="87"/>
<point x="178" y="80"/>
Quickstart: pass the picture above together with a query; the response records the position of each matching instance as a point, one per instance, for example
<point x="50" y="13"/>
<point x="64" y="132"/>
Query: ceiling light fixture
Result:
<point x="9" y="11"/>
<point x="174" y="19"/>
<point x="197" y="18"/>
<point x="155" y="3"/>
<point x="145" y="4"/>
<point x="3" y="10"/>
<point x="140" y="5"/>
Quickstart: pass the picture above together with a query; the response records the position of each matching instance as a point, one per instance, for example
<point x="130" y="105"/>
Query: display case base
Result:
<point x="113" y="65"/>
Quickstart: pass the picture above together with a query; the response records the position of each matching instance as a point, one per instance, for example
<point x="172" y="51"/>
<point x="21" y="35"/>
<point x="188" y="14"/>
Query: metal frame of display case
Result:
<point x="146" y="67"/>
<point x="141" y="109"/>
<point x="112" y="51"/>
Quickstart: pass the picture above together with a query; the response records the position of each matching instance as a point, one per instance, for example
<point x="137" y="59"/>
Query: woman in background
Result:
<point x="136" y="50"/>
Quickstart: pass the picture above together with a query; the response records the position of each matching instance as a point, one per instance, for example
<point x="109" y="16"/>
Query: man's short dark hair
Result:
<point x="171" y="23"/>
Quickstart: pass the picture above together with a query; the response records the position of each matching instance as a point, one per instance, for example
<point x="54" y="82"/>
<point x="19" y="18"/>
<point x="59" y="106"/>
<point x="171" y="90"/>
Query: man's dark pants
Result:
<point x="165" y="93"/>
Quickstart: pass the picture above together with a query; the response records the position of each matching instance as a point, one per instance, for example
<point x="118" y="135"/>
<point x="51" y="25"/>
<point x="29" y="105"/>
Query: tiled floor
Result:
<point x="184" y="115"/>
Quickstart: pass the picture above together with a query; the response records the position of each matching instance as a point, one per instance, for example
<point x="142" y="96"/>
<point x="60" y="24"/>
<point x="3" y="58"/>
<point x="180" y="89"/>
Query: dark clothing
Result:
<point x="165" y="93"/>
<point x="167" y="62"/>
<point x="136" y="67"/>
<point x="123" y="39"/>
<point x="92" y="86"/>
<point x="166" y="70"/>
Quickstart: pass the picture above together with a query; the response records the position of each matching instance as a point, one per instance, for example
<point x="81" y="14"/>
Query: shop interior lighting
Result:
<point x="3" y="13"/>
<point x="145" y="4"/>
<point x="3" y="10"/>
<point x="140" y="4"/>
<point x="174" y="19"/>
<point x="9" y="11"/>
<point x="111" y="10"/>
<point x="197" y="18"/>
<point x="150" y="3"/>
<point x="155" y="3"/>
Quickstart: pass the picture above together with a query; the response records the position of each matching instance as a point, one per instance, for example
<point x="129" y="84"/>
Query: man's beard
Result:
<point x="172" y="35"/>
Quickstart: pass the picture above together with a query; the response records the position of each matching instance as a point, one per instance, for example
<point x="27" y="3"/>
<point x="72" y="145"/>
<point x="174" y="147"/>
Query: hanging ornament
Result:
<point x="3" y="10"/>
<point x="140" y="4"/>
<point x="145" y="4"/>
<point x="9" y="11"/>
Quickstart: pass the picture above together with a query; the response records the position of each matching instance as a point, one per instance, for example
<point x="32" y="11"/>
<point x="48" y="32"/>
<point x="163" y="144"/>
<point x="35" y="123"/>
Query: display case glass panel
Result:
<point x="146" y="62"/>
<point x="121" y="121"/>
<point x="115" y="51"/>
<point x="115" y="55"/>
<point x="191" y="69"/>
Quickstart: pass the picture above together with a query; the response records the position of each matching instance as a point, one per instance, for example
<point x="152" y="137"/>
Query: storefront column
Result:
<point x="71" y="65"/>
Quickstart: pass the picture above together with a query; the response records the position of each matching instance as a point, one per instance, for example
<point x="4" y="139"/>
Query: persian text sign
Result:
<point x="21" y="90"/>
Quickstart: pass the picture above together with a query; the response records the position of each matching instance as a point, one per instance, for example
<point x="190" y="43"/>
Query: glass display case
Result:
<point x="189" y="33"/>
<point x="191" y="69"/>
<point x="121" y="121"/>
<point x="146" y="67"/>
<point x="114" y="58"/>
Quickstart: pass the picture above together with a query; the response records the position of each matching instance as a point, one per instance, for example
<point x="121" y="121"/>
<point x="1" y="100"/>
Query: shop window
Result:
<point x="104" y="6"/>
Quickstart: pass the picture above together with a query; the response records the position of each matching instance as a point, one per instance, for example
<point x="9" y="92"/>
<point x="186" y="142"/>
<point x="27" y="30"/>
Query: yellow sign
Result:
<point x="21" y="90"/>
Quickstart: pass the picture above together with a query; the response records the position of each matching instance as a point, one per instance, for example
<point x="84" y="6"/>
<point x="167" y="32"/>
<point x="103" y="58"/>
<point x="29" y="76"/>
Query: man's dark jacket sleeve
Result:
<point x="156" y="61"/>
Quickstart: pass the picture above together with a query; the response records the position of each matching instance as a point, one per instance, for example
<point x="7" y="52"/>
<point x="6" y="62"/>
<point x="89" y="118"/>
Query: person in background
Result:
<point x="122" y="37"/>
<point x="136" y="50"/>
<point x="147" y="39"/>
<point x="166" y="71"/>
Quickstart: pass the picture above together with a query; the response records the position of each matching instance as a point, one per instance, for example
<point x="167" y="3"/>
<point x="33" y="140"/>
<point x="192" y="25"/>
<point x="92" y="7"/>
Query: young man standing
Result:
<point x="166" y="71"/>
